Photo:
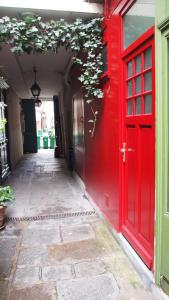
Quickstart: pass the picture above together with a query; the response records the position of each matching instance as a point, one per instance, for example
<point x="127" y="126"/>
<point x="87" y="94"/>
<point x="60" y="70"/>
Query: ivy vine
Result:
<point x="32" y="35"/>
<point x="2" y="124"/>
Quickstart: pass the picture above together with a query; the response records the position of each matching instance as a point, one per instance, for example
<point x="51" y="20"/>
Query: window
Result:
<point x="139" y="84"/>
<point x="138" y="19"/>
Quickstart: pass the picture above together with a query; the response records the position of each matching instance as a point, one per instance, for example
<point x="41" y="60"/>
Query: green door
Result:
<point x="162" y="156"/>
<point x="30" y="139"/>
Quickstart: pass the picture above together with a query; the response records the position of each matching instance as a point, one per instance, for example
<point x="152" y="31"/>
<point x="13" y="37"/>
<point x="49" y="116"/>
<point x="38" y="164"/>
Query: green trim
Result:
<point x="162" y="138"/>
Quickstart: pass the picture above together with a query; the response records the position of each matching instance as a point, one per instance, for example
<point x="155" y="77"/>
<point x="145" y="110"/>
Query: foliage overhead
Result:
<point x="32" y="35"/>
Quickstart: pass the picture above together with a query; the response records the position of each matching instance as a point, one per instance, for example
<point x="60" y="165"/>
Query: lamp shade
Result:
<point x="35" y="89"/>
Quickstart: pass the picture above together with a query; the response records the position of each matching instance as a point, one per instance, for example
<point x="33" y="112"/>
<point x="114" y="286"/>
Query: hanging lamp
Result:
<point x="35" y="88"/>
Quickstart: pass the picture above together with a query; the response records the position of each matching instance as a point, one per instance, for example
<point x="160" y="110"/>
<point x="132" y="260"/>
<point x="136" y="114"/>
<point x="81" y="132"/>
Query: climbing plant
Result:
<point x="2" y="124"/>
<point x="32" y="35"/>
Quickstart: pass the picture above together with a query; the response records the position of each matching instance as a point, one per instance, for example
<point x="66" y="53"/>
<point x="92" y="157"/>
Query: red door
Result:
<point x="138" y="149"/>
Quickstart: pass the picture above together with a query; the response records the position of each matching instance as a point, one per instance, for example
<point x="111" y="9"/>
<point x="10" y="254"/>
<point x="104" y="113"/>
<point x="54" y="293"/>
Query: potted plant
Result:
<point x="6" y="197"/>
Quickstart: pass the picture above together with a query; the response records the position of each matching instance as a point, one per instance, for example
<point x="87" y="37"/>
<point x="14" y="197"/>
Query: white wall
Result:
<point x="64" y="5"/>
<point x="14" y="125"/>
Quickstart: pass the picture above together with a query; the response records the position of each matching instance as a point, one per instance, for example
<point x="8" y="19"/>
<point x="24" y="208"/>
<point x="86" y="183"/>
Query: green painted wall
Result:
<point x="162" y="10"/>
<point x="162" y="136"/>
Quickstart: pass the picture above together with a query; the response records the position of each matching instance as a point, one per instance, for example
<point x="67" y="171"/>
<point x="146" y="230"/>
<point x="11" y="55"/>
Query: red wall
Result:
<point x="103" y="158"/>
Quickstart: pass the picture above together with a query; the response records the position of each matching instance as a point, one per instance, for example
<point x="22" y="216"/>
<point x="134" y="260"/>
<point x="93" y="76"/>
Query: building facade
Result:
<point x="121" y="157"/>
<point x="125" y="163"/>
<point x="121" y="153"/>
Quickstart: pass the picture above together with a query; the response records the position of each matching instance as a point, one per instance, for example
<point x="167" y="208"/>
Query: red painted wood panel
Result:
<point x="131" y="180"/>
<point x="102" y="173"/>
<point x="139" y="168"/>
<point x="146" y="183"/>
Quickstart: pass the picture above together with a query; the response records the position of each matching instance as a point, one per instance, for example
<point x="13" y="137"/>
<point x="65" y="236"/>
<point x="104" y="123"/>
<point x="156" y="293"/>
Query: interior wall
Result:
<point x="78" y="133"/>
<point x="14" y="125"/>
<point x="65" y="102"/>
<point x="77" y="126"/>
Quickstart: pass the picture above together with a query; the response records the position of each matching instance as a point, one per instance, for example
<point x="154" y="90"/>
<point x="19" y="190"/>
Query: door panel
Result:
<point x="30" y="139"/>
<point x="132" y="175"/>
<point x="139" y="151"/>
<point x="146" y="182"/>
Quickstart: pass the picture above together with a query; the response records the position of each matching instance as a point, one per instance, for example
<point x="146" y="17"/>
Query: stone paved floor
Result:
<point x="71" y="258"/>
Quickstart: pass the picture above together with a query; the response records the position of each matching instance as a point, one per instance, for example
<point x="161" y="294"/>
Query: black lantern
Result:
<point x="35" y="89"/>
<point x="38" y="102"/>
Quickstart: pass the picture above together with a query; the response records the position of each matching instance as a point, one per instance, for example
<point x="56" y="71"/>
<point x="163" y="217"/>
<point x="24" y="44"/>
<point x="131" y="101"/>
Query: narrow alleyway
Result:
<point x="62" y="250"/>
<point x="43" y="186"/>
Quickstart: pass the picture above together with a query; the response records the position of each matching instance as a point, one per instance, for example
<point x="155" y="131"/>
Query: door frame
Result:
<point x="141" y="44"/>
<point x="118" y="10"/>
<point x="121" y="8"/>
<point x="162" y="138"/>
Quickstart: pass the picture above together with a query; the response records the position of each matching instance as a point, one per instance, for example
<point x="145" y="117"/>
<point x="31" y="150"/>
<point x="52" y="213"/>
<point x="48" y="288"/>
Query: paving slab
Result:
<point x="5" y="268"/>
<point x="77" y="233"/>
<point x="27" y="276"/>
<point x="89" y="268"/>
<point x="55" y="273"/>
<point x="91" y="288"/>
<point x="10" y="231"/>
<point x="3" y="290"/>
<point x="37" y="292"/>
<point x="104" y="236"/>
<point x="77" y="251"/>
<point x="7" y="248"/>
<point x="52" y="223"/>
<point x="33" y="256"/>
<point x="38" y="236"/>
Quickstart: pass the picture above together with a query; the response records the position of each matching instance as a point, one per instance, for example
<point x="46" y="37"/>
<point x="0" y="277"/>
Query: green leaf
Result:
<point x="30" y="33"/>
